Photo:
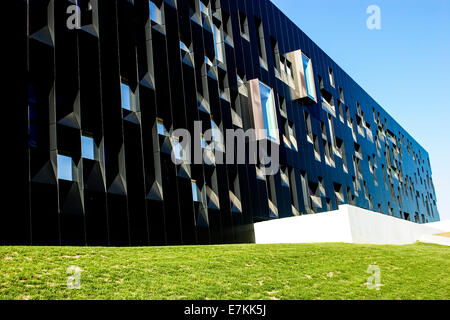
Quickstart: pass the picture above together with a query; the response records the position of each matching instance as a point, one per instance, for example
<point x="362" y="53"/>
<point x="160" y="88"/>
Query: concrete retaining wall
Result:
<point x="348" y="224"/>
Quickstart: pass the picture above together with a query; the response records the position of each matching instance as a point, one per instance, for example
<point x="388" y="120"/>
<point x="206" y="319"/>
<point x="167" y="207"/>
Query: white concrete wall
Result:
<point x="325" y="227"/>
<point x="348" y="224"/>
<point x="443" y="241"/>
<point x="375" y="228"/>
<point x="444" y="226"/>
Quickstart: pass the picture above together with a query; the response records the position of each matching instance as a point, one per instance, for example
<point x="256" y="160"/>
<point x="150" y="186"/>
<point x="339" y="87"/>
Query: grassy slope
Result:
<point x="325" y="271"/>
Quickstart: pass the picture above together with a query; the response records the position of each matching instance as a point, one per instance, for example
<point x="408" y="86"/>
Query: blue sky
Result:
<point x="405" y="66"/>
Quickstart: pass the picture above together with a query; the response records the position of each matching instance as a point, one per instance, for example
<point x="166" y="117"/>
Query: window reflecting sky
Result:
<point x="64" y="168"/>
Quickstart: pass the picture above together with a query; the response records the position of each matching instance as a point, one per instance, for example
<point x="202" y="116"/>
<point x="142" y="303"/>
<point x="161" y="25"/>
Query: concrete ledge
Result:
<point x="349" y="224"/>
<point x="443" y="241"/>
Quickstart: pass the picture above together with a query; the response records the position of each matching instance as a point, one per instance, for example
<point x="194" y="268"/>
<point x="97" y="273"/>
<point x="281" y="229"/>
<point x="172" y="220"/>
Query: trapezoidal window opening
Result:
<point x="243" y="26"/>
<point x="156" y="11"/>
<point x="65" y="167"/>
<point x="331" y="76"/>
<point x="261" y="43"/>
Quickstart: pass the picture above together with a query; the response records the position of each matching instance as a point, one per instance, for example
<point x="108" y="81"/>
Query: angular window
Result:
<point x="241" y="82"/>
<point x="338" y="193"/>
<point x="331" y="76"/>
<point x="235" y="194"/>
<point x="289" y="71"/>
<point x="178" y="151"/>
<point x="353" y="127"/>
<point x="322" y="187"/>
<point x="305" y="192"/>
<point x="328" y="102"/>
<point x="366" y="192"/>
<point x="360" y="125"/>
<point x="349" y="195"/>
<point x="316" y="148"/>
<point x="309" y="133"/>
<point x="358" y="109"/>
<point x="358" y="151"/>
<point x="369" y="133"/>
<point x="309" y="77"/>
<point x="208" y="62"/>
<point x="227" y="28"/>
<point x="284" y="176"/>
<point x="329" y="156"/>
<point x="224" y="89"/>
<point x="282" y="64"/>
<point x="218" y="43"/>
<point x="349" y="118"/>
<point x="324" y="130"/>
<point x="276" y="56"/>
<point x="370" y="202"/>
<point x="356" y="186"/>
<point x="341" y="95"/>
<point x="314" y="194"/>
<point x="261" y="43"/>
<point x="264" y="113"/>
<point x="303" y="85"/>
<point x="291" y="135"/>
<point x="332" y="136"/>
<point x="344" y="159"/>
<point x="243" y="26"/>
<point x="329" y="207"/>
<point x="217" y="136"/>
<point x="268" y="111"/>
<point x="160" y="127"/>
<point x="272" y="197"/>
<point x="87" y="147"/>
<point x="341" y="112"/>
<point x="206" y="16"/>
<point x="204" y="8"/>
<point x="215" y="129"/>
<point x="126" y="96"/>
<point x="236" y="114"/>
<point x="208" y="71"/>
<point x="195" y="197"/>
<point x="65" y="168"/>
<point x="184" y="47"/>
<point x="155" y="11"/>
<point x="187" y="55"/>
<point x="203" y="142"/>
<point x="282" y="103"/>
<point x="293" y="192"/>
<point x="129" y="99"/>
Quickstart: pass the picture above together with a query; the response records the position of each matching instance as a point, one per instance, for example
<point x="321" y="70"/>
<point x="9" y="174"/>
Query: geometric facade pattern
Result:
<point x="97" y="105"/>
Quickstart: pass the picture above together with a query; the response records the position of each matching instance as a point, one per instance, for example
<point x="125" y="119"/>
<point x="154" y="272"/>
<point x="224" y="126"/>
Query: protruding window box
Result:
<point x="304" y="88"/>
<point x="262" y="102"/>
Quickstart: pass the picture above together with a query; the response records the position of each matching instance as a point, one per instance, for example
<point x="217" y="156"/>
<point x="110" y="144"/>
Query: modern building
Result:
<point x="108" y="81"/>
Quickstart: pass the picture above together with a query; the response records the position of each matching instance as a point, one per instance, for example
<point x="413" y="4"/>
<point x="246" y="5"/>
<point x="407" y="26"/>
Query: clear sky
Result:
<point x="405" y="66"/>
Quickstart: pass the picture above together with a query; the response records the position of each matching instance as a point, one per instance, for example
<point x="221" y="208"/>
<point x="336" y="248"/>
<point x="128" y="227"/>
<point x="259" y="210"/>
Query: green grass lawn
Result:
<point x="319" y="271"/>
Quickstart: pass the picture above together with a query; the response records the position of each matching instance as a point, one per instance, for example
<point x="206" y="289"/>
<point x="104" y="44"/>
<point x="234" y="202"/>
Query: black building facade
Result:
<point x="108" y="81"/>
